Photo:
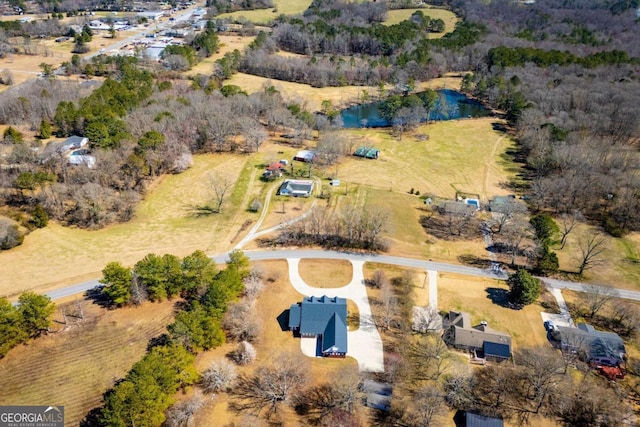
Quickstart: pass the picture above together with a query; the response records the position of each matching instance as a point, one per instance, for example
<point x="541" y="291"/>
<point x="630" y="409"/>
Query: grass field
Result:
<point x="620" y="264"/>
<point x="227" y="44"/>
<point x="264" y="16"/>
<point x="461" y="155"/>
<point x="322" y="273"/>
<point x="165" y="222"/>
<point x="398" y="15"/>
<point x="75" y="366"/>
<point x="311" y="97"/>
<point x="463" y="293"/>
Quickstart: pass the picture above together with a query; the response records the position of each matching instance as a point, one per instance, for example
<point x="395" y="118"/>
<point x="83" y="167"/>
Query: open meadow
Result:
<point x="396" y="16"/>
<point x="311" y="97"/>
<point x="265" y="16"/>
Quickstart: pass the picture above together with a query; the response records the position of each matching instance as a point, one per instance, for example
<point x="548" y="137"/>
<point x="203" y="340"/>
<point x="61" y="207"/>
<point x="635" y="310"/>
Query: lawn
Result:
<point x="470" y="294"/>
<point x="462" y="155"/>
<point x="265" y="16"/>
<point x="619" y="265"/>
<point x="322" y="273"/>
<point x="398" y="15"/>
<point x="227" y="44"/>
<point x="74" y="367"/>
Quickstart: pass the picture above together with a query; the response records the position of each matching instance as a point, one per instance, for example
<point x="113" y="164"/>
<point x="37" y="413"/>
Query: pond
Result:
<point x="450" y="105"/>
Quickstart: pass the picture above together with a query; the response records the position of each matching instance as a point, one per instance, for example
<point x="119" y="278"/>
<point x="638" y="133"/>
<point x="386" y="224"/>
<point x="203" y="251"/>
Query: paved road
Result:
<point x="383" y="259"/>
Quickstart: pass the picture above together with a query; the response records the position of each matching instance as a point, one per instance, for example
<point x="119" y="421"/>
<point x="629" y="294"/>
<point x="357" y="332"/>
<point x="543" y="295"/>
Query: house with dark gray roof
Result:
<point x="324" y="318"/>
<point x="453" y="207"/>
<point x="593" y="345"/>
<point x="485" y="341"/>
<point x="296" y="188"/>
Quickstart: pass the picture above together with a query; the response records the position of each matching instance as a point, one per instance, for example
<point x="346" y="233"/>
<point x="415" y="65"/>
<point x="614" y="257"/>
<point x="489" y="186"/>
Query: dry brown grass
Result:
<point x="75" y="366"/>
<point x="620" y="264"/>
<point x="277" y="296"/>
<point x="324" y="273"/>
<point x="470" y="294"/>
<point x="164" y="222"/>
<point x="227" y="44"/>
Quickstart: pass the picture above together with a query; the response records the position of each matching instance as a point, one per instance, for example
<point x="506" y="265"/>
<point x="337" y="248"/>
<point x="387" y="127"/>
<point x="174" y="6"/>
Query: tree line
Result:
<point x="353" y="228"/>
<point x="570" y="101"/>
<point x="147" y="391"/>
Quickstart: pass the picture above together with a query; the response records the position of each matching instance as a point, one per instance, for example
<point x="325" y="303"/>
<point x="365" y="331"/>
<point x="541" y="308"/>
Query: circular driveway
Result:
<point x="365" y="343"/>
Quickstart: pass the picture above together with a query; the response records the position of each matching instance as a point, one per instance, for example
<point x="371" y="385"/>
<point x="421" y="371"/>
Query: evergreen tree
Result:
<point x="117" y="281"/>
<point x="35" y="311"/>
<point x="40" y="218"/>
<point x="45" y="129"/>
<point x="523" y="287"/>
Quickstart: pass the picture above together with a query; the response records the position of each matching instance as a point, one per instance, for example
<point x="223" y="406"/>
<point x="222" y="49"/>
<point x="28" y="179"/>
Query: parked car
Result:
<point x="549" y="325"/>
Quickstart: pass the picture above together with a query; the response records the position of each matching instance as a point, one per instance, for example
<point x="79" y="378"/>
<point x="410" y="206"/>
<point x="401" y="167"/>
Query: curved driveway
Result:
<point x="365" y="343"/>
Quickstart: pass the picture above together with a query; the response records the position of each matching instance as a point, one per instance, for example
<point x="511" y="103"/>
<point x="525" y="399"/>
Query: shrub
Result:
<point x="40" y="218"/>
<point x="255" y="205"/>
<point x="10" y="235"/>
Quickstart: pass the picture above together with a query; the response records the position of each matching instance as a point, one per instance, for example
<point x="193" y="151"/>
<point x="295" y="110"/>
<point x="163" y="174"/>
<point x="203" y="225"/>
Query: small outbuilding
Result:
<point x="306" y="156"/>
<point x="367" y="152"/>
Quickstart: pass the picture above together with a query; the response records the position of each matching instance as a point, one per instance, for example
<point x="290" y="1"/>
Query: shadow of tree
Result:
<point x="475" y="261"/>
<point x="96" y="296"/>
<point x="499" y="297"/>
<point x="201" y="210"/>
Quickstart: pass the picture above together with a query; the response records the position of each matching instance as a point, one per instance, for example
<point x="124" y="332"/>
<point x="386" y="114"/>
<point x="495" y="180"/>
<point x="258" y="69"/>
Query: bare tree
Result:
<point x="181" y="414"/>
<point x="254" y="133"/>
<point x="514" y="234"/>
<point x="240" y="322"/>
<point x="504" y="212"/>
<point x="219" y="185"/>
<point x="568" y="223"/>
<point x="253" y="286"/>
<point x="379" y="279"/>
<point x="341" y="394"/>
<point x="244" y="354"/>
<point x="388" y="305"/>
<point x="426" y="408"/>
<point x="597" y="296"/>
<point x="270" y="386"/>
<point x="592" y="247"/>
<point x="430" y="358"/>
<point x="220" y="376"/>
